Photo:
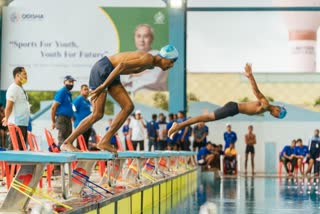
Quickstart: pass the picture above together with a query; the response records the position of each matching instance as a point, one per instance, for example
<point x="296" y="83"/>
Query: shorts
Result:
<point x="228" y="110"/>
<point x="100" y="72"/>
<point x="197" y="145"/>
<point x="172" y="144"/>
<point x="250" y="149"/>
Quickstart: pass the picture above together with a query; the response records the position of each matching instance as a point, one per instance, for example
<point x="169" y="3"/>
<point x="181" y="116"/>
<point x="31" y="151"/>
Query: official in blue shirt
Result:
<point x="303" y="156"/>
<point x="153" y="133"/>
<point x="172" y="143"/>
<point x="314" y="148"/>
<point x="82" y="108"/>
<point x="229" y="137"/>
<point x="287" y="157"/>
<point x="61" y="110"/>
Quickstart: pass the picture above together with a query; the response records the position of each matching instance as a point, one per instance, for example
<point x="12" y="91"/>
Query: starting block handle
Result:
<point x="80" y="174"/>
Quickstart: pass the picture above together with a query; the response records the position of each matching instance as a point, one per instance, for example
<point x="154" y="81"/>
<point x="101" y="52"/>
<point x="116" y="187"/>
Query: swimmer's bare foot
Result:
<point x="68" y="147"/>
<point x="173" y="130"/>
<point x="107" y="147"/>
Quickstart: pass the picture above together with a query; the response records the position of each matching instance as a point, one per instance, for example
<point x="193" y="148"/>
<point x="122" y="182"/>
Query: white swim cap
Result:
<point x="169" y="52"/>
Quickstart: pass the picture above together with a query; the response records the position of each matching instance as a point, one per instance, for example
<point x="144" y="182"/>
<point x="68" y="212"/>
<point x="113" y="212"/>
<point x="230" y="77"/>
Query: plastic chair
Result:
<point x="53" y="147"/>
<point x="32" y="141"/>
<point x="129" y="144"/>
<point x="13" y="131"/>
<point x="33" y="144"/>
<point x="83" y="147"/>
<point x="119" y="144"/>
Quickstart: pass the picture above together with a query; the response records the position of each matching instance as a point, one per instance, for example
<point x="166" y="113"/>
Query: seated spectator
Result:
<point x="303" y="156"/>
<point x="314" y="148"/>
<point x="230" y="159"/>
<point x="205" y="155"/>
<point x="215" y="164"/>
<point x="220" y="149"/>
<point x="287" y="157"/>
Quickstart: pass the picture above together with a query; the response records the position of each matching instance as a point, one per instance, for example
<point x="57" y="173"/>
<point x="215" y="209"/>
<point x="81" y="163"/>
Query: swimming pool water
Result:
<point x="252" y="195"/>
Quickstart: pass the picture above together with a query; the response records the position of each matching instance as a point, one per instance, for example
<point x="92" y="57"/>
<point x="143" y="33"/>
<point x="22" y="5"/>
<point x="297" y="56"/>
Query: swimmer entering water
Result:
<point x="105" y="77"/>
<point x="259" y="106"/>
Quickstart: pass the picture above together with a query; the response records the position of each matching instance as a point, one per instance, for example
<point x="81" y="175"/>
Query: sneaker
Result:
<point x="201" y="162"/>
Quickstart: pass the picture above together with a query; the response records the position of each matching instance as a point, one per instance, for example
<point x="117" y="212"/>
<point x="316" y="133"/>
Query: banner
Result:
<point x="56" y="41"/>
<point x="277" y="41"/>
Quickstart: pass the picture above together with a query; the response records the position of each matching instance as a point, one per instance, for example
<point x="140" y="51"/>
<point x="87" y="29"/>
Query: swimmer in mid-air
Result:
<point x="259" y="106"/>
<point x="105" y="77"/>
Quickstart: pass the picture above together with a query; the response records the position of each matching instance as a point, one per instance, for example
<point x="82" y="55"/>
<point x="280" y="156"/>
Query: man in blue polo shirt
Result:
<point x="302" y="154"/>
<point x="153" y="133"/>
<point x="82" y="107"/>
<point x="229" y="137"/>
<point x="314" y="148"/>
<point x="287" y="156"/>
<point x="61" y="110"/>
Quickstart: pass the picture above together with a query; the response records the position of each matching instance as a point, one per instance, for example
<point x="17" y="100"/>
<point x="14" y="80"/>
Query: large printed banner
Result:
<point x="274" y="41"/>
<point x="56" y="41"/>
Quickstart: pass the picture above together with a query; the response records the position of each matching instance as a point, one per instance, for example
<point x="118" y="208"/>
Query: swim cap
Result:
<point x="169" y="52"/>
<point x="283" y="112"/>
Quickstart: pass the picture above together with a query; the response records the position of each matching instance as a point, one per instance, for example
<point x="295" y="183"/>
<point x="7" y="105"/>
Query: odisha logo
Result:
<point x="15" y="17"/>
<point x="32" y="16"/>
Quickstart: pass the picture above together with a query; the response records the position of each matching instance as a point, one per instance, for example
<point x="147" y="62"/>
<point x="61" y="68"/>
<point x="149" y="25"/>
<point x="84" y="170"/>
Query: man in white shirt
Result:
<point x="17" y="109"/>
<point x="137" y="131"/>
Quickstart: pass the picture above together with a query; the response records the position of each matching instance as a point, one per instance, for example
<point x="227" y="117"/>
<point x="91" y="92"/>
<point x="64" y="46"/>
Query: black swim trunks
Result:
<point x="249" y="149"/>
<point x="100" y="72"/>
<point x="229" y="109"/>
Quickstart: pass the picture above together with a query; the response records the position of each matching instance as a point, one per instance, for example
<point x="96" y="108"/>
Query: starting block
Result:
<point x="140" y="166"/>
<point x="32" y="167"/>
<point x="84" y="167"/>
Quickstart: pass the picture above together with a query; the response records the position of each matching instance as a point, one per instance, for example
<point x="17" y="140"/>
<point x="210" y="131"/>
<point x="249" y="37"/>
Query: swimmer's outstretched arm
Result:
<point x="254" y="86"/>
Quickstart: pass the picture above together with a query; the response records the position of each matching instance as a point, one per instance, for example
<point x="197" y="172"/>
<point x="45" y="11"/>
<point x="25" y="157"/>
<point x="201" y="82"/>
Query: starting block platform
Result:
<point x="30" y="173"/>
<point x="176" y="169"/>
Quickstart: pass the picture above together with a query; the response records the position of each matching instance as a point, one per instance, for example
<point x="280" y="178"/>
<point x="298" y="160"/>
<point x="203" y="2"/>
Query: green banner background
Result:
<point x="126" y="20"/>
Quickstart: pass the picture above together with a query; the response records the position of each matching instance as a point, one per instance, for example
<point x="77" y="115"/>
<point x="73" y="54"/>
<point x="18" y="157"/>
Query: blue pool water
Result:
<point x="253" y="195"/>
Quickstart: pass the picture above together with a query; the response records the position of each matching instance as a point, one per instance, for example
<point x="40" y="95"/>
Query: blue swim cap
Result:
<point x="283" y="112"/>
<point x="169" y="52"/>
